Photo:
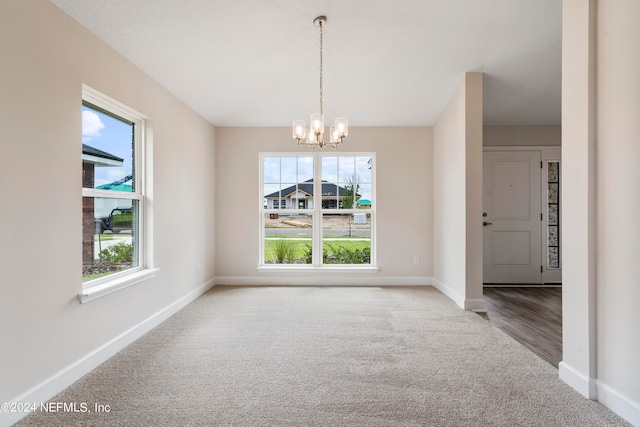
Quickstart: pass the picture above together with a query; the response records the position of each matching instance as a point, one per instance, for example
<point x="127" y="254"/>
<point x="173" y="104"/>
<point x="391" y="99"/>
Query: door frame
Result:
<point x="547" y="153"/>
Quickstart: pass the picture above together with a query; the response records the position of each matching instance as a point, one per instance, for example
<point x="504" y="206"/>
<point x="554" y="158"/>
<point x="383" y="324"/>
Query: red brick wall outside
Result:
<point x="88" y="222"/>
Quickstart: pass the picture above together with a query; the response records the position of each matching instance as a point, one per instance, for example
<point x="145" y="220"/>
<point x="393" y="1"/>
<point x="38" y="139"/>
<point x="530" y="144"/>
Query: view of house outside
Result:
<point x="344" y="209"/>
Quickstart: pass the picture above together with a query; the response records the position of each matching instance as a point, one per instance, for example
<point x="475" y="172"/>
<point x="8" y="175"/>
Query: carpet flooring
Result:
<point x="325" y="356"/>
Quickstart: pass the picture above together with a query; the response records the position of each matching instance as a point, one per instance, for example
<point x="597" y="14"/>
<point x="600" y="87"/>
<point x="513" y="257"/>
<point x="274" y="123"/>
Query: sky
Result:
<point x="112" y="136"/>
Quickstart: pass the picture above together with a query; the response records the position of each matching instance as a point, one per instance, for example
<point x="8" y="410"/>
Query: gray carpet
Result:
<point x="306" y="356"/>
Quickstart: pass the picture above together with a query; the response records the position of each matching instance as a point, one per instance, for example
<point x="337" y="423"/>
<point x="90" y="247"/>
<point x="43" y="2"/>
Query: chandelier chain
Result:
<point x="321" y="67"/>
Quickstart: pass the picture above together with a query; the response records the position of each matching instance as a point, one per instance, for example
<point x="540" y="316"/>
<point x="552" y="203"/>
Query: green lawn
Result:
<point x="109" y="236"/>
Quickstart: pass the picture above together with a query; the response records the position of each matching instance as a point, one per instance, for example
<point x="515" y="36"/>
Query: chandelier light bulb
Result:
<point x="334" y="134"/>
<point x="342" y="125"/>
<point x="299" y="130"/>
<point x="317" y="123"/>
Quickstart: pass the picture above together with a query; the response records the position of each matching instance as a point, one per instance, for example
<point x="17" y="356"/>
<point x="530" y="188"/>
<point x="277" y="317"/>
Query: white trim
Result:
<point x="619" y="403"/>
<point x="305" y="279"/>
<point x="110" y="194"/>
<point x="475" y="305"/>
<point x="449" y="292"/>
<point x="465" y="304"/>
<point x="578" y="381"/>
<point x="347" y="269"/>
<point x="96" y="291"/>
<point x="62" y="379"/>
<point x="142" y="252"/>
<point x="110" y="104"/>
<point x="317" y="211"/>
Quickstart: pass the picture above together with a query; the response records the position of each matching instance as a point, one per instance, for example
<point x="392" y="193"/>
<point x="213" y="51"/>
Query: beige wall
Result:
<point x="578" y="199"/>
<point x="474" y="195"/>
<point x="618" y="197"/>
<point x="457" y="195"/>
<point x="45" y="57"/>
<point x="521" y="135"/>
<point x="404" y="209"/>
<point x="601" y="100"/>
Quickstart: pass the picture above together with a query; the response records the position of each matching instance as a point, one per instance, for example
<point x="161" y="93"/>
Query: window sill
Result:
<point x="102" y="289"/>
<point x="317" y="269"/>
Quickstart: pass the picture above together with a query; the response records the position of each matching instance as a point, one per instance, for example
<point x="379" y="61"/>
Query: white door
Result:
<point x="512" y="240"/>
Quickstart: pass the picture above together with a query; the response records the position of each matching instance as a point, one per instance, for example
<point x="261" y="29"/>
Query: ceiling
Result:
<point x="386" y="63"/>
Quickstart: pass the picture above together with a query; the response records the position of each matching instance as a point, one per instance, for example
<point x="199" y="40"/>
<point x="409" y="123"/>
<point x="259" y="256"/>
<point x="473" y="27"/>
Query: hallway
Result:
<point x="530" y="315"/>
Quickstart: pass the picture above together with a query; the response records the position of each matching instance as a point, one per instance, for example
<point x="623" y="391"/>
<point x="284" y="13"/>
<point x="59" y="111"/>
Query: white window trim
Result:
<point x="96" y="288"/>
<point x="317" y="211"/>
<point x="116" y="282"/>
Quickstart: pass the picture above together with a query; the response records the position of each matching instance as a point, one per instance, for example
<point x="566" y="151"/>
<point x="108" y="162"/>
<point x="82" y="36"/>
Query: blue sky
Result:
<point x="113" y="136"/>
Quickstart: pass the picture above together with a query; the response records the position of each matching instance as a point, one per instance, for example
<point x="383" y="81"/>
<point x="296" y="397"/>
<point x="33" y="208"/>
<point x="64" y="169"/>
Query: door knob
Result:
<point x="485" y="223"/>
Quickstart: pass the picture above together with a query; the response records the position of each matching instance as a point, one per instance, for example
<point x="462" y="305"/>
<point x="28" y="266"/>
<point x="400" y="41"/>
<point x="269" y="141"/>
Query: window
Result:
<point x="553" y="214"/>
<point x="113" y="199"/>
<point x="317" y="210"/>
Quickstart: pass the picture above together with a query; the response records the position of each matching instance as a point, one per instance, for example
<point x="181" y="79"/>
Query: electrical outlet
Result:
<point x="416" y="260"/>
<point x="197" y="268"/>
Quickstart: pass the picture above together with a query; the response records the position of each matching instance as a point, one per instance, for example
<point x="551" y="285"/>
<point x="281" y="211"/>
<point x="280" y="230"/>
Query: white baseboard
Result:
<point x="597" y="390"/>
<point x="322" y="280"/>
<point x="465" y="304"/>
<point x="448" y="291"/>
<point x="475" y="305"/>
<point x="619" y="403"/>
<point x="578" y="381"/>
<point x="45" y="390"/>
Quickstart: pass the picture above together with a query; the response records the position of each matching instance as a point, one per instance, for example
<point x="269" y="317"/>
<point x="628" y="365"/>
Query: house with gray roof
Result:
<point x="300" y="196"/>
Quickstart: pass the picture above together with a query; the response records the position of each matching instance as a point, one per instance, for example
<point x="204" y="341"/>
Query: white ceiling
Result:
<point x="386" y="63"/>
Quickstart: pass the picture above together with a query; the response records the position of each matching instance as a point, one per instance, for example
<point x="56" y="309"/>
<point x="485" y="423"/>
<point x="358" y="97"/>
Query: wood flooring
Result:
<point x="530" y="315"/>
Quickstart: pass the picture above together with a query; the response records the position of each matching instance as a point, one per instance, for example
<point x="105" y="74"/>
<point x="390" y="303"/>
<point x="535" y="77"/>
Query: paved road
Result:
<point x="359" y="232"/>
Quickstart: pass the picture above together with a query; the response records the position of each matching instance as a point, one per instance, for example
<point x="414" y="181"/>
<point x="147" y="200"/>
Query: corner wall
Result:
<point x="48" y="338"/>
<point x="618" y="204"/>
<point x="457" y="196"/>
<point x="601" y="100"/>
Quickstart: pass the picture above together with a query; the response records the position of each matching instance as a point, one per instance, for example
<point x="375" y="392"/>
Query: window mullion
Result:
<point x="110" y="194"/>
<point x="317" y="210"/>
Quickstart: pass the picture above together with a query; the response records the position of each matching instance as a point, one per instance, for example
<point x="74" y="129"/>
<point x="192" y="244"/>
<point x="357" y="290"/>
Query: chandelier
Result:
<point x="314" y="134"/>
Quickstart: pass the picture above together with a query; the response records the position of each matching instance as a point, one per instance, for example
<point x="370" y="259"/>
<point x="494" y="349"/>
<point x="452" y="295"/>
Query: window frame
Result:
<point x="317" y="213"/>
<point x="95" y="288"/>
